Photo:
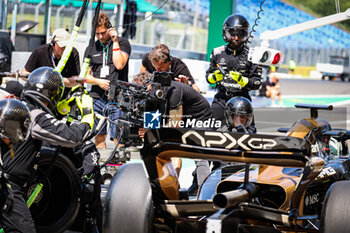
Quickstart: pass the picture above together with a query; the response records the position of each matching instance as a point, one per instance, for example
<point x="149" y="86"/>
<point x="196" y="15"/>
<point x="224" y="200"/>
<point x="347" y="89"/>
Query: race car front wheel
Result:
<point x="129" y="206"/>
<point x="335" y="212"/>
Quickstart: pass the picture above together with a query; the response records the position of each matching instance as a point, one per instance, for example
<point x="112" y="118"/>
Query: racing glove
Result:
<point x="242" y="81"/>
<point x="84" y="104"/>
<point x="215" y="77"/>
<point x="63" y="107"/>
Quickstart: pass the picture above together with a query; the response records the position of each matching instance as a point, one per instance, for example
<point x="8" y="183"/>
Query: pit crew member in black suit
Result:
<point x="41" y="93"/>
<point x="242" y="76"/>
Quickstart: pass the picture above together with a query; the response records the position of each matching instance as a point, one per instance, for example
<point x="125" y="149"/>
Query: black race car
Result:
<point x="270" y="184"/>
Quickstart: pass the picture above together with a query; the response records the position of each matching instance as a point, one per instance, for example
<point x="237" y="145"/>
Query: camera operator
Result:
<point x="41" y="93"/>
<point x="242" y="76"/>
<point x="159" y="59"/>
<point x="182" y="104"/>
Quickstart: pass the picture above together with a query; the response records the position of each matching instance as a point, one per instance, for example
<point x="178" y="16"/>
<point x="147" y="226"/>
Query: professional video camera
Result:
<point x="129" y="97"/>
<point x="134" y="100"/>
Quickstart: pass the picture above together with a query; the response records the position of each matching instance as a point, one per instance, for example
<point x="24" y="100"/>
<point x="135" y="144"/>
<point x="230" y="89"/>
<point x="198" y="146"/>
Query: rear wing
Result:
<point x="313" y="112"/>
<point x="225" y="146"/>
<point x="314" y="108"/>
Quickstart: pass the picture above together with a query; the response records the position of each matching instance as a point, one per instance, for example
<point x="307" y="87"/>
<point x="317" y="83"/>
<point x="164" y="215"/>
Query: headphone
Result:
<point x="52" y="43"/>
<point x="167" y="55"/>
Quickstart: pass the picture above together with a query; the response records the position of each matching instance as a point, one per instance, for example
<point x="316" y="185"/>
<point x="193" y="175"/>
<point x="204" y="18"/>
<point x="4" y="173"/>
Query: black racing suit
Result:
<point x="250" y="129"/>
<point x="231" y="59"/>
<point x="19" y="170"/>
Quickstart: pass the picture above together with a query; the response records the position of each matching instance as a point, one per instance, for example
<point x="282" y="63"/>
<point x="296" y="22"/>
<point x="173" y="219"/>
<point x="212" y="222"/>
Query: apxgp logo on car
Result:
<point x="227" y="140"/>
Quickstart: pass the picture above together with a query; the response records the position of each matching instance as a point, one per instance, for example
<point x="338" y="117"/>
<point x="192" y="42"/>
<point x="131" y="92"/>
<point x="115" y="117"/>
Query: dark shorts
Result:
<point x="101" y="106"/>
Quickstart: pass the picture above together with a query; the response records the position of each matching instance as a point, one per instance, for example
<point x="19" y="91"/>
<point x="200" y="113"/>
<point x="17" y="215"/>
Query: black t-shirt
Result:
<point x="6" y="49"/>
<point x="42" y="56"/>
<point x="178" y="67"/>
<point x="97" y="62"/>
<point x="194" y="105"/>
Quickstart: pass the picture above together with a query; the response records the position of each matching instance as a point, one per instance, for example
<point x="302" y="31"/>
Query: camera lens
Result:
<point x="159" y="94"/>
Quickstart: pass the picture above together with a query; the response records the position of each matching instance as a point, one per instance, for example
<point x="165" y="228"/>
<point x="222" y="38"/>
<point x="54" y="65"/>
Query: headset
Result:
<point x="52" y="43"/>
<point x="159" y="49"/>
<point x="170" y="58"/>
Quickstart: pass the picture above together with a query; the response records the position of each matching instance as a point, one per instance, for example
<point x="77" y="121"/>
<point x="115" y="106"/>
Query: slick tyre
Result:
<point x="129" y="205"/>
<point x="57" y="205"/>
<point x="336" y="209"/>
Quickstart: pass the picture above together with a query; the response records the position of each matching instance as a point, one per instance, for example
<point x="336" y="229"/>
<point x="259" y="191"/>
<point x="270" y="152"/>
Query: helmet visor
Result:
<point x="16" y="132"/>
<point x="244" y="120"/>
<point x="240" y="33"/>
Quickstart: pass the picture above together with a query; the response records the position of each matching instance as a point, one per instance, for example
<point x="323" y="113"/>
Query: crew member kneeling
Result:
<point x="41" y="93"/>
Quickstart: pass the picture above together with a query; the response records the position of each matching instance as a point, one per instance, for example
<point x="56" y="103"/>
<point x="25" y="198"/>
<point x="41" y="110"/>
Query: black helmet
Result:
<point x="235" y="25"/>
<point x="241" y="109"/>
<point x="46" y="84"/>
<point x="14" y="120"/>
